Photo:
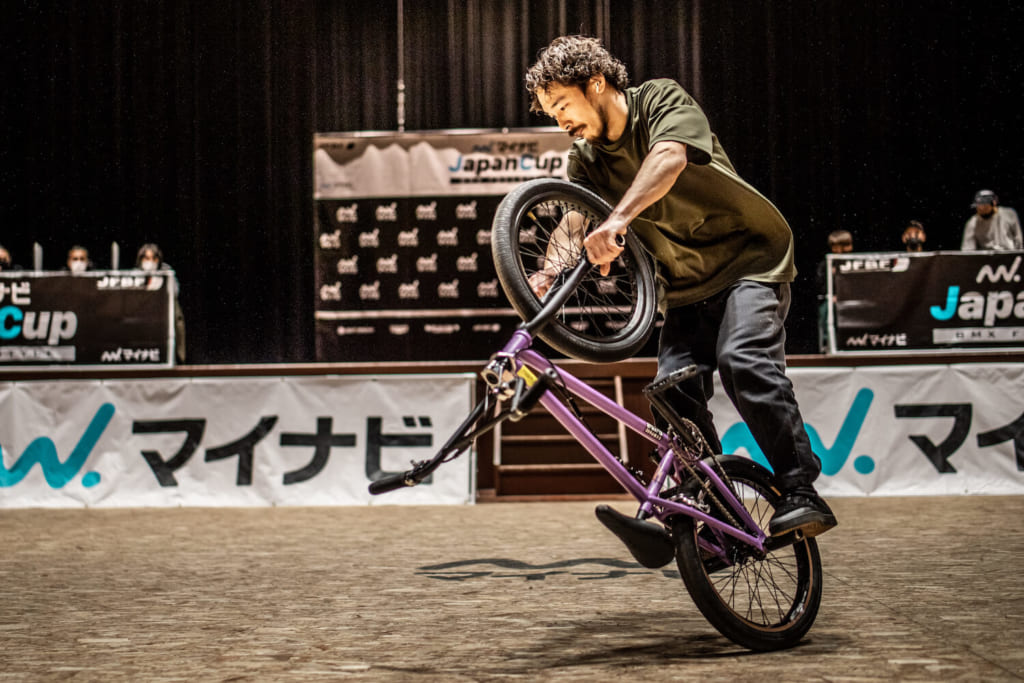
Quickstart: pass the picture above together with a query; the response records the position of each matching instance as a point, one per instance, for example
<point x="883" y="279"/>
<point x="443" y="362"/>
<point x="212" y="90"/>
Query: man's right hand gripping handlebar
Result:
<point x="605" y="243"/>
<point x="602" y="246"/>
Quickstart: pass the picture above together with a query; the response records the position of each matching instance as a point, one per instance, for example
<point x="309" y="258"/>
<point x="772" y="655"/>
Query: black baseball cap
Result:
<point x="985" y="197"/>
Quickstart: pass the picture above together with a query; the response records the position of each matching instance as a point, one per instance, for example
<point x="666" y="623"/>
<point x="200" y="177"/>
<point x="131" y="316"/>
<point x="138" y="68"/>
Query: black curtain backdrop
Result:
<point x="190" y="124"/>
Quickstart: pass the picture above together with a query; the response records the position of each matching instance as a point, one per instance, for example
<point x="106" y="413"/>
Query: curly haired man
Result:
<point x="724" y="253"/>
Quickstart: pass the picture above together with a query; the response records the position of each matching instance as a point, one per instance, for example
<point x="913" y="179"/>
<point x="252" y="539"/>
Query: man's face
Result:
<point x="913" y="238"/>
<point x="842" y="248"/>
<point x="577" y="113"/>
<point x="985" y="210"/>
<point x="80" y="256"/>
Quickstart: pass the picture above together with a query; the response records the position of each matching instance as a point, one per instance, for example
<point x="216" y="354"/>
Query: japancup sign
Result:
<point x="937" y="301"/>
<point x="99" y="318"/>
<point x="403" y="240"/>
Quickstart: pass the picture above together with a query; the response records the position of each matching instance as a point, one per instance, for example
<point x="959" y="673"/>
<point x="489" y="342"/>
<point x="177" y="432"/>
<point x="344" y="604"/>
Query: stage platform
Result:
<point x="916" y="589"/>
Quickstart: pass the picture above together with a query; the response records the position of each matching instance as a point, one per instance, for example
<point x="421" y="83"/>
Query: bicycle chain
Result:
<point x="687" y="457"/>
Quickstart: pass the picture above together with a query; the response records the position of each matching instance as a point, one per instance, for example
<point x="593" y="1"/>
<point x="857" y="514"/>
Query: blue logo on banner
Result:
<point x="739" y="437"/>
<point x="44" y="452"/>
<point x="952" y="297"/>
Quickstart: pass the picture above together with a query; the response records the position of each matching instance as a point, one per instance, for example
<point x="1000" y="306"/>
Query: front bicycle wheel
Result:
<point x="606" y="319"/>
<point x="762" y="602"/>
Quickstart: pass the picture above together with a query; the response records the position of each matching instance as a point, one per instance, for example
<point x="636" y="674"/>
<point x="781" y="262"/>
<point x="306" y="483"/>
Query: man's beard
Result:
<point x="601" y="138"/>
<point x="601" y="135"/>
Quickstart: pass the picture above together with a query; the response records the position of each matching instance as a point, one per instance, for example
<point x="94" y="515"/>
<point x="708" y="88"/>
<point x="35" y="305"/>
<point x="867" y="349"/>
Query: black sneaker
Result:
<point x="801" y="509"/>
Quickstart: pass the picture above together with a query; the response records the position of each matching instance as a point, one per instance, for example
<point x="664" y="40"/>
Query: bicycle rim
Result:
<point x="607" y="318"/>
<point x="762" y="603"/>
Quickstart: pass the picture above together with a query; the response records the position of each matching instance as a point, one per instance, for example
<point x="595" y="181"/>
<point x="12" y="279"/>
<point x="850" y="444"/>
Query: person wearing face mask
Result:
<point x="992" y="227"/>
<point x="78" y="259"/>
<point x="150" y="258"/>
<point x="6" y="264"/>
<point x="914" y="237"/>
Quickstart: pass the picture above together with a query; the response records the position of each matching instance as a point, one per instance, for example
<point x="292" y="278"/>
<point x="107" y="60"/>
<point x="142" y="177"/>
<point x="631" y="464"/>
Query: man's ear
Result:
<point x="597" y="83"/>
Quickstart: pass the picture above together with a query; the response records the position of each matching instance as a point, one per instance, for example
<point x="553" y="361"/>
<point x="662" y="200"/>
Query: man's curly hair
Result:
<point x="573" y="60"/>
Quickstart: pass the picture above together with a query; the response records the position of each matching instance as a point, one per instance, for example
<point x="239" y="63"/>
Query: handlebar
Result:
<point x="390" y="483"/>
<point x="523" y="400"/>
<point x="556" y="297"/>
<point x="459" y="441"/>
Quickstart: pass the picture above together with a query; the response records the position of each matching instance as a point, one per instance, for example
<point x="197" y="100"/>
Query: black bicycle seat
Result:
<point x="672" y="379"/>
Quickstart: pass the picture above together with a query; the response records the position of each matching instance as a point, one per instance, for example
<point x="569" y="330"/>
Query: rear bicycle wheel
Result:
<point x="606" y="319"/>
<point x="765" y="602"/>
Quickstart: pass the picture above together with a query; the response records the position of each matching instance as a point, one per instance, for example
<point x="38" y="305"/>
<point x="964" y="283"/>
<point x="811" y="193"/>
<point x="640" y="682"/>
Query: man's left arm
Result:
<point x="1015" y="233"/>
<point x="657" y="174"/>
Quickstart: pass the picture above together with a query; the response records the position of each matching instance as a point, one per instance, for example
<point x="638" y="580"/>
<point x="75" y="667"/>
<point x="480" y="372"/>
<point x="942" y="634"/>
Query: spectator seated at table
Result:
<point x="6" y="264"/>
<point x="78" y="260"/>
<point x="914" y="237"/>
<point x="151" y="259"/>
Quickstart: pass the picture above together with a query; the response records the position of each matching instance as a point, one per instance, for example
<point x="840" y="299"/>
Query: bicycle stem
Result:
<point x="556" y="298"/>
<point x="522" y="338"/>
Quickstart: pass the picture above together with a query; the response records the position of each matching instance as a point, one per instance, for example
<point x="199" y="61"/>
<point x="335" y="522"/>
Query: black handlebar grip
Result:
<point x="389" y="483"/>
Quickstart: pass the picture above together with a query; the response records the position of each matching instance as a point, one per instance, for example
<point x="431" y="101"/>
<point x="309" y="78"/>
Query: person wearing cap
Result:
<point x="992" y="227"/>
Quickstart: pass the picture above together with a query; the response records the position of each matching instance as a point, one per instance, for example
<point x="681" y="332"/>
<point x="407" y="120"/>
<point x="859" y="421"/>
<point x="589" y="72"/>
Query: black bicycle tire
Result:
<point x="513" y="276"/>
<point x="799" y="615"/>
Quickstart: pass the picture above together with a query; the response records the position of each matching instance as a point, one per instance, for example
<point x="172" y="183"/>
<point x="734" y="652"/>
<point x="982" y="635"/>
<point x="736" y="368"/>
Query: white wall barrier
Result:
<point x="905" y="430"/>
<point x="885" y="430"/>
<point x="229" y="441"/>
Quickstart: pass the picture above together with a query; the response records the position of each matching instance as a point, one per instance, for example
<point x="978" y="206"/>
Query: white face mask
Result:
<point x="78" y="266"/>
<point x="148" y="265"/>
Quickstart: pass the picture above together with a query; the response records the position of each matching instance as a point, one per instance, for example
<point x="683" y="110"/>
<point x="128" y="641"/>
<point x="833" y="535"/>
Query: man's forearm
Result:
<point x="657" y="174"/>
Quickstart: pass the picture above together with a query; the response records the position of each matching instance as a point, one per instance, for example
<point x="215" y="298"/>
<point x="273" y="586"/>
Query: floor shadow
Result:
<point x="585" y="568"/>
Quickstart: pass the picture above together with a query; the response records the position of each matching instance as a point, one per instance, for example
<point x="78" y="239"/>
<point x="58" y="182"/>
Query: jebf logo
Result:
<point x="43" y="452"/>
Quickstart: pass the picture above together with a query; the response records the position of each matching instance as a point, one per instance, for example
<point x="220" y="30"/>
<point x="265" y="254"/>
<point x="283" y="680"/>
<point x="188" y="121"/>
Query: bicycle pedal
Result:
<point x="675" y="377"/>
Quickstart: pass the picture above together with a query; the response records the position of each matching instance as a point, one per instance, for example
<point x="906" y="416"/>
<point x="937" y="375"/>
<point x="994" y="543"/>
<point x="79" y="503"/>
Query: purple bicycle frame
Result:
<point x="518" y="348"/>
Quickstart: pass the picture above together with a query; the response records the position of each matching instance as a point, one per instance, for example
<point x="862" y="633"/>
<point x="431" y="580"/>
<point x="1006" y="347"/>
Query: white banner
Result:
<point x="905" y="430"/>
<point x="229" y="442"/>
<point x="426" y="164"/>
<point x="885" y="430"/>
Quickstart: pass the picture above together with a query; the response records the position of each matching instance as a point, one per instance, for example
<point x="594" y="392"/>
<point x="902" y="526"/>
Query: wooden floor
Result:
<point x="919" y="589"/>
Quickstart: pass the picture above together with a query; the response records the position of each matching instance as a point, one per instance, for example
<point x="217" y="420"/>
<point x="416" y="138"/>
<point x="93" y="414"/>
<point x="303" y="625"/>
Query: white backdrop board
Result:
<point x="402" y="257"/>
<point x="229" y="441"/>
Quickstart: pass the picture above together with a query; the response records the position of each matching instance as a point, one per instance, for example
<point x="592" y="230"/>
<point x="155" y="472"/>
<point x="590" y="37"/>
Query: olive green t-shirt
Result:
<point x="712" y="228"/>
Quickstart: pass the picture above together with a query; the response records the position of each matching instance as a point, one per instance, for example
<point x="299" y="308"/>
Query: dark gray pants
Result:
<point x="740" y="333"/>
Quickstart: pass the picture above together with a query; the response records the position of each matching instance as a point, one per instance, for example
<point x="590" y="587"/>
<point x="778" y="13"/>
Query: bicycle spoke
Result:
<point x="593" y="310"/>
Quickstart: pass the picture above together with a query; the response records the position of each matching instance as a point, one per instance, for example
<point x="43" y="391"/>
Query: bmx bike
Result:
<point x="709" y="512"/>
